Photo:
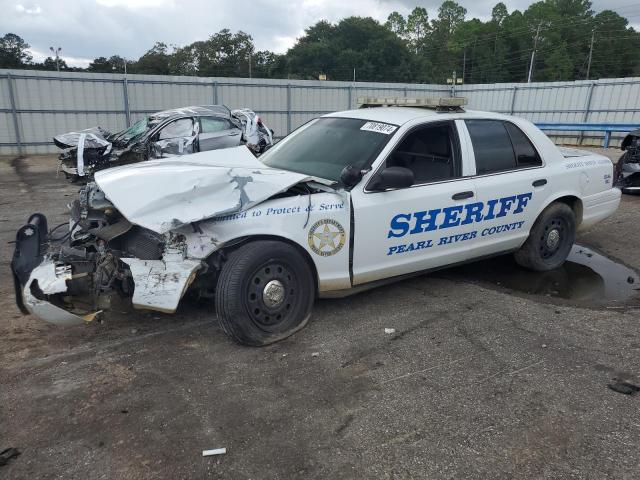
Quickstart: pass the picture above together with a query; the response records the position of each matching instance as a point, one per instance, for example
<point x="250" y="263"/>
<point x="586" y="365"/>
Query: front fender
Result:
<point x="299" y="219"/>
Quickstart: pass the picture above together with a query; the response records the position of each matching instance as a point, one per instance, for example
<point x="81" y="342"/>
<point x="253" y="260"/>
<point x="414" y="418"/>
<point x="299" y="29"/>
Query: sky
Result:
<point x="86" y="29"/>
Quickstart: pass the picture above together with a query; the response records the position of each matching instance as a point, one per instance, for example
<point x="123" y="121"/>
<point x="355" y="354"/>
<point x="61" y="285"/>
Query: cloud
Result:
<point x="31" y="10"/>
<point x="91" y="28"/>
<point x="40" y="56"/>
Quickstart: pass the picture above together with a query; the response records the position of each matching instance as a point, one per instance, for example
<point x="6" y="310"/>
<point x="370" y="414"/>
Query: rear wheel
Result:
<point x="265" y="293"/>
<point x="550" y="239"/>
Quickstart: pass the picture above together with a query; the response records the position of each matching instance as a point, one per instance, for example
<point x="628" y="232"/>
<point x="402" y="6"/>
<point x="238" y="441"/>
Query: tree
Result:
<point x="223" y="54"/>
<point x="499" y="13"/>
<point x="14" y="52"/>
<point x="363" y="44"/>
<point x="397" y="24"/>
<point x="155" y="61"/>
<point x="417" y="28"/>
<point x="50" y="64"/>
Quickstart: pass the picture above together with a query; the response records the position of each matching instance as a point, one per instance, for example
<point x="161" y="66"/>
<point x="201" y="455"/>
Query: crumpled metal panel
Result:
<point x="251" y="125"/>
<point x="94" y="137"/>
<point x="51" y="280"/>
<point x="164" y="194"/>
<point x="160" y="284"/>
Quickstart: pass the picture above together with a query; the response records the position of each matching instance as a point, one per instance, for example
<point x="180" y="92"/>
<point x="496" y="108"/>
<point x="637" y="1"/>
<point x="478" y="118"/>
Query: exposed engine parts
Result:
<point x="627" y="172"/>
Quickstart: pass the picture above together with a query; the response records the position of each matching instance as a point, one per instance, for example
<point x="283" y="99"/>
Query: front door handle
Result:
<point x="540" y="183"/>
<point x="462" y="195"/>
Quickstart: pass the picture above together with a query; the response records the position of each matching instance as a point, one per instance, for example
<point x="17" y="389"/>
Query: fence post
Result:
<point x="587" y="109"/>
<point x="14" y="114"/>
<point x="125" y="91"/>
<point x="215" y="92"/>
<point x="513" y="100"/>
<point x="288" y="108"/>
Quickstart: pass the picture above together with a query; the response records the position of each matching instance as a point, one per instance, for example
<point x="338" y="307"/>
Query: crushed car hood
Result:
<point x="164" y="194"/>
<point x="94" y="137"/>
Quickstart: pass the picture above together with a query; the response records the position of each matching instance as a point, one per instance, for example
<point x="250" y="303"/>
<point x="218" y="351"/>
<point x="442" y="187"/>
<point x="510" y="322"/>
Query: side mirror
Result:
<point x="393" y="177"/>
<point x="350" y="176"/>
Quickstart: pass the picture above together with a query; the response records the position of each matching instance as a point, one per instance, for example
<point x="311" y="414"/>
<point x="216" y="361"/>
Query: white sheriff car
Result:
<point x="346" y="202"/>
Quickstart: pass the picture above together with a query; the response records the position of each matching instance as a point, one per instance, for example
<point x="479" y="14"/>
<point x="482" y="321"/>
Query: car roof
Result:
<point x="402" y="115"/>
<point x="198" y="110"/>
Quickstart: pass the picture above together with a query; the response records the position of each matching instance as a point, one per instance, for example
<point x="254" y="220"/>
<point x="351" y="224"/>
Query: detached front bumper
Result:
<point x="37" y="277"/>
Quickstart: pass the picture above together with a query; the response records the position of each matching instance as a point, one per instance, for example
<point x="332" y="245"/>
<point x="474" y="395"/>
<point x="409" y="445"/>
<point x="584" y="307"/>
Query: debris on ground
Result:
<point x="215" y="451"/>
<point x="621" y="386"/>
<point x="7" y="454"/>
<point x="315" y="354"/>
<point x="389" y="330"/>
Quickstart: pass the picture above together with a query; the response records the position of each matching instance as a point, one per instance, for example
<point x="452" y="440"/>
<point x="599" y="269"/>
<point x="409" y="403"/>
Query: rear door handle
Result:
<point x="540" y="183"/>
<point x="462" y="195"/>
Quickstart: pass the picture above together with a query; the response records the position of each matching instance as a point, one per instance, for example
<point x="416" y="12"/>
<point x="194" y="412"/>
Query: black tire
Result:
<point x="246" y="311"/>
<point x="550" y="239"/>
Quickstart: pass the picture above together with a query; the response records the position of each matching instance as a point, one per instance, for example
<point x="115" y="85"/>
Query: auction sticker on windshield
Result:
<point x="379" y="127"/>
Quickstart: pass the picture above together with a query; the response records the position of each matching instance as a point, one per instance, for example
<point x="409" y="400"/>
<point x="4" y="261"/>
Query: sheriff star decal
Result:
<point x="326" y="237"/>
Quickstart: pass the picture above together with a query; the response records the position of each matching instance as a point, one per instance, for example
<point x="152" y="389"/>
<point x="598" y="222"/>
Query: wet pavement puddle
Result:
<point x="587" y="277"/>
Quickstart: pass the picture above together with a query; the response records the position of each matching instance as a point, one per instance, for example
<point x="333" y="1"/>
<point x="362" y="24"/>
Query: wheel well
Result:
<point x="575" y="204"/>
<point x="244" y="240"/>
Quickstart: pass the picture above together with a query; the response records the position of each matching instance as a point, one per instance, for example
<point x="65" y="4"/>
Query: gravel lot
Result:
<point x="479" y="380"/>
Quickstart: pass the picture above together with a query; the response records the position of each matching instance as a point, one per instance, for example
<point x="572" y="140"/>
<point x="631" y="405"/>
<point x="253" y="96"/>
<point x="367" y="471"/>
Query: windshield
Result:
<point x="134" y="130"/>
<point x="325" y="146"/>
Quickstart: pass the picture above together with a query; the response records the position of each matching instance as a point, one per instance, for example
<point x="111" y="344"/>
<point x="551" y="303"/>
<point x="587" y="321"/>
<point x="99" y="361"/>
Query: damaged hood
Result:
<point x="164" y="194"/>
<point x="94" y="137"/>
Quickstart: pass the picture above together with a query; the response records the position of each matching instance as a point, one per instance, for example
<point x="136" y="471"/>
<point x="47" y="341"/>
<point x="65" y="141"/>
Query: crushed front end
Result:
<point x="72" y="272"/>
<point x="628" y="167"/>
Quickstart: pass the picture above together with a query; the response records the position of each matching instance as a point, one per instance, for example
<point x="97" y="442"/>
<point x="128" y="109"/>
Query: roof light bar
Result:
<point x="444" y="103"/>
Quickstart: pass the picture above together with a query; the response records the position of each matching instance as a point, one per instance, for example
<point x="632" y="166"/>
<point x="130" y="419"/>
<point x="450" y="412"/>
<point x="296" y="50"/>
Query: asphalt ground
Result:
<point x="479" y="380"/>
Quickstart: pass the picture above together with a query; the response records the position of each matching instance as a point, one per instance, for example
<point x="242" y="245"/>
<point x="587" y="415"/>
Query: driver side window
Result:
<point x="177" y="129"/>
<point x="429" y="153"/>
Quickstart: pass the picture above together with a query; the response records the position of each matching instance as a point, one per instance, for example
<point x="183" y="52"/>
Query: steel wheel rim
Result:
<point x="552" y="237"/>
<point x="271" y="294"/>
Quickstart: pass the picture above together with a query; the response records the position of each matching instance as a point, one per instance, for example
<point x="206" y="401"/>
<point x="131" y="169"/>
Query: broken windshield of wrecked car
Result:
<point x="323" y="147"/>
<point x="138" y="128"/>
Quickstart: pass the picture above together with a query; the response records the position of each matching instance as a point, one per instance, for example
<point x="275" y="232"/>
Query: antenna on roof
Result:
<point x="442" y="104"/>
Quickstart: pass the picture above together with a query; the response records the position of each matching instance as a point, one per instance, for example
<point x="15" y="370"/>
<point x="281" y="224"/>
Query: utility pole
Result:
<point x="354" y="74"/>
<point x="249" y="64"/>
<point x="453" y="81"/>
<point x="464" y="63"/>
<point x="56" y="52"/>
<point x="593" y="35"/>
<point x="533" y="52"/>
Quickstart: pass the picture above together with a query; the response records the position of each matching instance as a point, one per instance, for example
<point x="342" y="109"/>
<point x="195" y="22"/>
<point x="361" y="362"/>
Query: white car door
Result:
<point x="422" y="226"/>
<point x="511" y="181"/>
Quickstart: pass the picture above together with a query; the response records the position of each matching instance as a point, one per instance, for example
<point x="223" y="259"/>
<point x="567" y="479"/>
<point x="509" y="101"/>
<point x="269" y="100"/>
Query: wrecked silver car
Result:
<point x="627" y="172"/>
<point x="169" y="133"/>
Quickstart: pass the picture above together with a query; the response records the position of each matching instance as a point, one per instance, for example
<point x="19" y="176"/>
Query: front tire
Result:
<point x="550" y="239"/>
<point x="265" y="293"/>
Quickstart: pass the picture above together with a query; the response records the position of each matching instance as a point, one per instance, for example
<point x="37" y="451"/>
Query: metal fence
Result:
<point x="36" y="105"/>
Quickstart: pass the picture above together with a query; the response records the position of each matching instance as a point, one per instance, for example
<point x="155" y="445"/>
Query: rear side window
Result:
<point x="526" y="154"/>
<point x="213" y="125"/>
<point x="491" y="145"/>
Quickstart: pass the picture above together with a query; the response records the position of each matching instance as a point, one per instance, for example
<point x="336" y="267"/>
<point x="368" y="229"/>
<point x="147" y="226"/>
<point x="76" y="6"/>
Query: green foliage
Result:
<point x="376" y="53"/>
<point x="14" y="52"/>
<point x="154" y="62"/>
<point x="113" y="64"/>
